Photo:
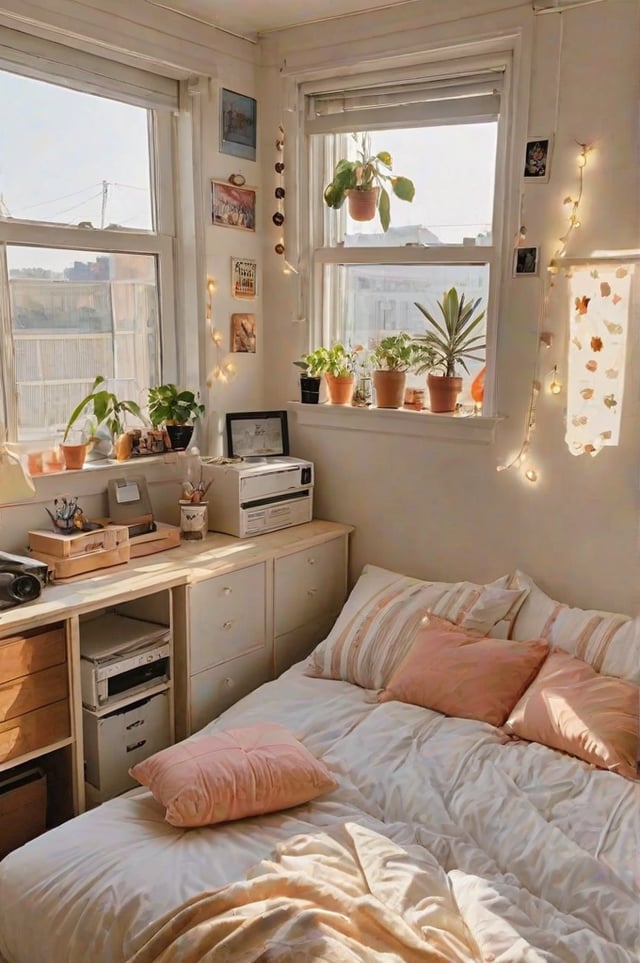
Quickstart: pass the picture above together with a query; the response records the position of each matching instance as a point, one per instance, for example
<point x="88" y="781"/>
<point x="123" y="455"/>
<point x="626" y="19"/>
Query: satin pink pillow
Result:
<point x="572" y="708"/>
<point x="460" y="673"/>
<point x="231" y="774"/>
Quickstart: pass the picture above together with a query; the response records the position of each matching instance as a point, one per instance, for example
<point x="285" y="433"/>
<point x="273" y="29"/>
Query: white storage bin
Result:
<point x="118" y="740"/>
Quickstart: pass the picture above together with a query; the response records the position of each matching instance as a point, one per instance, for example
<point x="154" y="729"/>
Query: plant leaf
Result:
<point x="384" y="209"/>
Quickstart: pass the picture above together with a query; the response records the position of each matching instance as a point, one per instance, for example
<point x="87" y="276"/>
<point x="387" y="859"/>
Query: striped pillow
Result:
<point x="608" y="641"/>
<point x="384" y="611"/>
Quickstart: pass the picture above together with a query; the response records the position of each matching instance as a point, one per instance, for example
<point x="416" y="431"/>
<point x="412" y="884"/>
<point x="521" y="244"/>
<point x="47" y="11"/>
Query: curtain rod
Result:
<point x="632" y="258"/>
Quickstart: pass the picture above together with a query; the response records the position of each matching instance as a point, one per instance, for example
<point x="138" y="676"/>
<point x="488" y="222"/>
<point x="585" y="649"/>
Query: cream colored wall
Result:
<point x="440" y="509"/>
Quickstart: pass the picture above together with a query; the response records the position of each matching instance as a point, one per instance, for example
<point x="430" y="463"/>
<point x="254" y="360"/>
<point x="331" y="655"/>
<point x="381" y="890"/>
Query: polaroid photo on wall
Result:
<point x="244" y="281"/>
<point x="537" y="159"/>
<point x="525" y="261"/>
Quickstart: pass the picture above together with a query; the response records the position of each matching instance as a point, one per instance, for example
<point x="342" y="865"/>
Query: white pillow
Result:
<point x="383" y="612"/>
<point x="608" y="641"/>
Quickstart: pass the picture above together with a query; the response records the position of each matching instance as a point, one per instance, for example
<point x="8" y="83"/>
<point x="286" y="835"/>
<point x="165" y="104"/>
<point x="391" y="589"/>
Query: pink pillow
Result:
<point x="232" y="774"/>
<point x="460" y="673"/>
<point x="572" y="708"/>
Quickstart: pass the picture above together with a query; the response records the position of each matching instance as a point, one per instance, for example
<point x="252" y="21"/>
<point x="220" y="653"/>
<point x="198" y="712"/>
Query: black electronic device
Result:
<point x="21" y="579"/>
<point x="257" y="434"/>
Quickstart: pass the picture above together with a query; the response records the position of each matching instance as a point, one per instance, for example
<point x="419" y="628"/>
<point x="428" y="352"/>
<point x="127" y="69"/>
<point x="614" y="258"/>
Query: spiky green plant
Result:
<point x="452" y="340"/>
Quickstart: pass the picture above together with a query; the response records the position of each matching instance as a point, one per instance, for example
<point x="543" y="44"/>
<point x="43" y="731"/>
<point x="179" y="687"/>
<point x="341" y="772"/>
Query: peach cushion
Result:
<point x="460" y="673"/>
<point x="572" y="708"/>
<point x="231" y="774"/>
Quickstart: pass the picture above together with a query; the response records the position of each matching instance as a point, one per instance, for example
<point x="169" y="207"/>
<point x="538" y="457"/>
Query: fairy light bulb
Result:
<point x="216" y="337"/>
<point x="531" y="475"/>
<point x="555" y="385"/>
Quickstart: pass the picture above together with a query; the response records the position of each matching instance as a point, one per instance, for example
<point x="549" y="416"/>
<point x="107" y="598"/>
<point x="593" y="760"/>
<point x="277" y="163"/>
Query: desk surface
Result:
<point x="189" y="562"/>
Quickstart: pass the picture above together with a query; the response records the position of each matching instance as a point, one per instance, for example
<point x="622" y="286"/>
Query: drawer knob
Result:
<point x="229" y="683"/>
<point x="227" y="625"/>
<point x="311" y="591"/>
<point x="311" y="560"/>
<point x="227" y="590"/>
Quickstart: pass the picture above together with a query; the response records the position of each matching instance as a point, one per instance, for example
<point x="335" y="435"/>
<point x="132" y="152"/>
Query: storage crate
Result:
<point x="23" y="808"/>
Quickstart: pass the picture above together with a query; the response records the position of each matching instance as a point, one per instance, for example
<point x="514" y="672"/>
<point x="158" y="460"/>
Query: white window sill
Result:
<point x="468" y="428"/>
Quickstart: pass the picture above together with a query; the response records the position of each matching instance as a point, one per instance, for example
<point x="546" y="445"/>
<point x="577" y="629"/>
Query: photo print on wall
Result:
<point x="243" y="333"/>
<point x="233" y="206"/>
<point x="537" y="158"/>
<point x="243" y="278"/>
<point x="525" y="261"/>
<point x="237" y="124"/>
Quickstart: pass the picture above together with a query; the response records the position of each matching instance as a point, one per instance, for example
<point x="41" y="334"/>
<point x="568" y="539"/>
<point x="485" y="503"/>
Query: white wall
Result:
<point x="439" y="509"/>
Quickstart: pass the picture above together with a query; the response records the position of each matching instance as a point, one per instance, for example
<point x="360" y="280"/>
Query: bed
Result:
<point x="513" y="850"/>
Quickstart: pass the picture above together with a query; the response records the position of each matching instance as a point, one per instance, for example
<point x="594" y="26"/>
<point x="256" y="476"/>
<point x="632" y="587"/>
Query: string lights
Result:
<point x="544" y="337"/>
<point x="224" y="370"/>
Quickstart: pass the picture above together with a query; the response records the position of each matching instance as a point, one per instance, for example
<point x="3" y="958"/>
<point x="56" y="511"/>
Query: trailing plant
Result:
<point x="451" y="340"/>
<point x="169" y="405"/>
<point x="105" y="408"/>
<point x="363" y="174"/>
<point x="399" y="352"/>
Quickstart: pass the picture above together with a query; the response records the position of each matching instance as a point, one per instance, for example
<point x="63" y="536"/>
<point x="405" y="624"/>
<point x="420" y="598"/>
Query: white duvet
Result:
<point x="541" y="853"/>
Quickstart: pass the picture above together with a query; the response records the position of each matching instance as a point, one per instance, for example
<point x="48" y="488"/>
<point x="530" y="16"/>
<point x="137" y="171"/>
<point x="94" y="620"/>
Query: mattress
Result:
<point x="540" y="850"/>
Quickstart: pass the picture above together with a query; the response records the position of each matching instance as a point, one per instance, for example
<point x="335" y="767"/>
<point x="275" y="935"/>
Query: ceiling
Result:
<point x="249" y="18"/>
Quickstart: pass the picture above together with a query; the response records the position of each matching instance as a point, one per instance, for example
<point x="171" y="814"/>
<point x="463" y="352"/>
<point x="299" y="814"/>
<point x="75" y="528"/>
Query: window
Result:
<point x="444" y="130"/>
<point x="86" y="232"/>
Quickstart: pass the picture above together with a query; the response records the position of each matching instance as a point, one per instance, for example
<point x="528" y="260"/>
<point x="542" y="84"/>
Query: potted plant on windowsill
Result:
<point x="176" y="409"/>
<point x="104" y="413"/>
<point x="364" y="182"/>
<point x="311" y="370"/>
<point x="393" y="357"/>
<point x="452" y="343"/>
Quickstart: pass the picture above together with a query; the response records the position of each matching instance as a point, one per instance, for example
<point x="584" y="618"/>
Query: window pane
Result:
<point x="76" y="315"/>
<point x="453" y="170"/>
<point x="380" y="299"/>
<point x="69" y="157"/>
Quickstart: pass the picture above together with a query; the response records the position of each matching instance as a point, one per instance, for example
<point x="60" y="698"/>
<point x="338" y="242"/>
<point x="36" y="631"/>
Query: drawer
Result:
<point x="115" y="742"/>
<point x="23" y="809"/>
<point x="35" y="730"/>
<point x="309" y="585"/>
<point x="22" y="654"/>
<point x="299" y="643"/>
<point x="227" y="617"/>
<point x="216" y="689"/>
<point x="33" y="691"/>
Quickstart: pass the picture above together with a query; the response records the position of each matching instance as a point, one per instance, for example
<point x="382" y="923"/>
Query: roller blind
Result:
<point x="44" y="60"/>
<point x="467" y="98"/>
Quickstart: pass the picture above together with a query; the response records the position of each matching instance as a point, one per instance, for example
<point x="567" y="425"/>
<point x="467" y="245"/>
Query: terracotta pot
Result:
<point x="340" y="389"/>
<point x="74" y="456"/>
<point x="363" y="204"/>
<point x="389" y="387"/>
<point x="443" y="392"/>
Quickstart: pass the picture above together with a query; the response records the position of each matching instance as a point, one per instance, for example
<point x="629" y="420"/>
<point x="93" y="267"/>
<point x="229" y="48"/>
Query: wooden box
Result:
<point x="64" y="568"/>
<point x="82" y="543"/>
<point x="23" y="808"/>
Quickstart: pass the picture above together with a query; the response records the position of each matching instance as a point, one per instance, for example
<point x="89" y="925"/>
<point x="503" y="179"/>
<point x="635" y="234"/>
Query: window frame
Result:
<point x="322" y="222"/>
<point x="159" y="242"/>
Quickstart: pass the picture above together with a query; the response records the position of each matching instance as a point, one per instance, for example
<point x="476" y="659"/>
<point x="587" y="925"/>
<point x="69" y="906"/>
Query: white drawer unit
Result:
<point x="309" y="584"/>
<point x="227" y="617"/>
<point x="214" y="690"/>
<point x="118" y="740"/>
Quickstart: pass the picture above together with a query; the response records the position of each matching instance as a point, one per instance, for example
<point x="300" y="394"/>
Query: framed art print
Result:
<point x="537" y="158"/>
<point x="243" y="333"/>
<point x="233" y="206"/>
<point x="525" y="261"/>
<point x="243" y="278"/>
<point x="237" y="124"/>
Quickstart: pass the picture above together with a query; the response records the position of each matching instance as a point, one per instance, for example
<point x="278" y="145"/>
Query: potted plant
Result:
<point x="363" y="181"/>
<point x="452" y="342"/>
<point x="102" y="410"/>
<point x="312" y="369"/>
<point x="393" y="357"/>
<point x="176" y="409"/>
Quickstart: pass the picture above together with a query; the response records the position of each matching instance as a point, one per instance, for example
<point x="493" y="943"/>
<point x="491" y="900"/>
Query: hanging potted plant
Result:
<point x="393" y="357"/>
<point x="104" y="415"/>
<point x="176" y="409"/>
<point x="364" y="182"/>
<point x="452" y="342"/>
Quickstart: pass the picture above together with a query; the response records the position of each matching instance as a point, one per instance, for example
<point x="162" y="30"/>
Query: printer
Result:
<point x="252" y="497"/>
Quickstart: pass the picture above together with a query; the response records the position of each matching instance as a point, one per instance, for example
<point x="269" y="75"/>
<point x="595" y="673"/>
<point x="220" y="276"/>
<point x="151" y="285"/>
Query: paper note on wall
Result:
<point x="599" y="321"/>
